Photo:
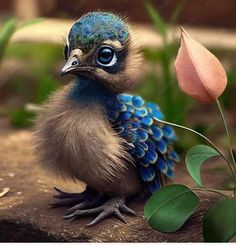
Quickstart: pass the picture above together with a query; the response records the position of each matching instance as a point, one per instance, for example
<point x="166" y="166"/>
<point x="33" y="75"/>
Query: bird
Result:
<point x="94" y="131"/>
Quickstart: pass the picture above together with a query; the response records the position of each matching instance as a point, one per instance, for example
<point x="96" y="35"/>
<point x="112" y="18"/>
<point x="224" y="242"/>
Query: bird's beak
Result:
<point x="74" y="64"/>
<point x="67" y="68"/>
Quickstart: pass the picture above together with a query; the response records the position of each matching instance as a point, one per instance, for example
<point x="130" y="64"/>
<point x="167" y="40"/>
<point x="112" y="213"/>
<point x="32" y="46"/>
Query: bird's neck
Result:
<point x="87" y="91"/>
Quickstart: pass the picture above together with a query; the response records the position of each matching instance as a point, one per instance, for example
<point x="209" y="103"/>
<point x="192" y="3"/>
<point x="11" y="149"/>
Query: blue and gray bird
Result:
<point x="92" y="131"/>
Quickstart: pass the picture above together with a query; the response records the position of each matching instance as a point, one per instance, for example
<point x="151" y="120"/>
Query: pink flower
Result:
<point x="199" y="73"/>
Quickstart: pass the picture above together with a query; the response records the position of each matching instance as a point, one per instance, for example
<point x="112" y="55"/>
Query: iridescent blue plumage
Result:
<point x="97" y="27"/>
<point x="151" y="141"/>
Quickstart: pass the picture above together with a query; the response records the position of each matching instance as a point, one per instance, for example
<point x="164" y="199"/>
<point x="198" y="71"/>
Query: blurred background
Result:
<point x="32" y="37"/>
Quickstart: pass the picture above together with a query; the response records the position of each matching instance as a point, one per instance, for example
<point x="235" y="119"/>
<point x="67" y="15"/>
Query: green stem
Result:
<point x="195" y="132"/>
<point x="210" y="190"/>
<point x="208" y="140"/>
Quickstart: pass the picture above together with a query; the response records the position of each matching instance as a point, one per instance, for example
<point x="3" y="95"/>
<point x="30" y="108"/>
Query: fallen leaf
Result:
<point x="11" y="175"/>
<point x="4" y="191"/>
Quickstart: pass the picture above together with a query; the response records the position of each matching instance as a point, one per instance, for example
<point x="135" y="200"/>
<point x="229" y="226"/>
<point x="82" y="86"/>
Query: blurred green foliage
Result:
<point x="46" y="86"/>
<point x="20" y="117"/>
<point x="35" y="52"/>
<point x="39" y="60"/>
<point x="6" y="32"/>
<point x="8" y="29"/>
<point x="229" y="92"/>
<point x="38" y="82"/>
<point x="163" y="88"/>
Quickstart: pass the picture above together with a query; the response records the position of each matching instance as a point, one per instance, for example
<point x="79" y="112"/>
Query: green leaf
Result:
<point x="169" y="208"/>
<point x="219" y="222"/>
<point x="5" y="35"/>
<point x="157" y="20"/>
<point x="30" y="22"/>
<point x="194" y="159"/>
<point x="177" y="11"/>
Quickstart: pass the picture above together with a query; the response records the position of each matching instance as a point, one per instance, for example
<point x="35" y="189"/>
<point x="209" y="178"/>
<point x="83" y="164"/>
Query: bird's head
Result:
<point x="102" y="47"/>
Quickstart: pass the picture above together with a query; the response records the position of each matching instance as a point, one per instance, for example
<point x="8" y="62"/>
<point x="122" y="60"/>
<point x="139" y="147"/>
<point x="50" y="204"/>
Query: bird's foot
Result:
<point x="89" y="197"/>
<point x="112" y="207"/>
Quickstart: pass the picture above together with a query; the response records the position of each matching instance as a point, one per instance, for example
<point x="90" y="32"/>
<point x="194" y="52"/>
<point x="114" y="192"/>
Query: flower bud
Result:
<point x="199" y="73"/>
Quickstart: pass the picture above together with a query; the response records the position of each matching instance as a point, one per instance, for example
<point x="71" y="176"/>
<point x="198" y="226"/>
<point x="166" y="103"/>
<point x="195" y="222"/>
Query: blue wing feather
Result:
<point x="135" y="120"/>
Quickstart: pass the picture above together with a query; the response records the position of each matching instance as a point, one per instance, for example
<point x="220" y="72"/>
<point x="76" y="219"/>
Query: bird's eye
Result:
<point x="66" y="49"/>
<point x="74" y="61"/>
<point x="106" y="56"/>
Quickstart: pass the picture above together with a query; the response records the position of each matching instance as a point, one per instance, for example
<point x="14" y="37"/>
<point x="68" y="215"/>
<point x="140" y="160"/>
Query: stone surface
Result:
<point x="26" y="216"/>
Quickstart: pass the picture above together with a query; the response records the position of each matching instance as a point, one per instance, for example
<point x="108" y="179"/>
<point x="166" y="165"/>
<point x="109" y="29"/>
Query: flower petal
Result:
<point x="199" y="72"/>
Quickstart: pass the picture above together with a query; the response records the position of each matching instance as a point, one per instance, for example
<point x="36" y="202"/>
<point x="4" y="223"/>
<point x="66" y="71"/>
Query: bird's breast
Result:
<point x="77" y="140"/>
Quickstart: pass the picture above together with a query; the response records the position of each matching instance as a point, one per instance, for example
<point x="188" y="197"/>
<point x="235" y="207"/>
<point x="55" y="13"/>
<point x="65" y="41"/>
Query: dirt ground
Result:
<point x="26" y="216"/>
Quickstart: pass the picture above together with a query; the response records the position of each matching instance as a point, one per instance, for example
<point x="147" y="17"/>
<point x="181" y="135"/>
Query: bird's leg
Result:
<point x="87" y="198"/>
<point x="113" y="206"/>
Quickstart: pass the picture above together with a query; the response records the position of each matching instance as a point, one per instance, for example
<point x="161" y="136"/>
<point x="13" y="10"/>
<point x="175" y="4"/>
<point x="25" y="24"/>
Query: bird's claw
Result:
<point x="70" y="199"/>
<point x="112" y="207"/>
<point x="90" y="203"/>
